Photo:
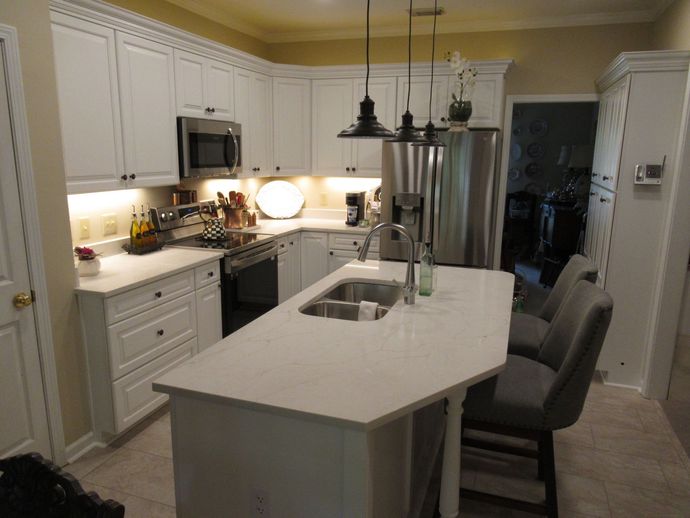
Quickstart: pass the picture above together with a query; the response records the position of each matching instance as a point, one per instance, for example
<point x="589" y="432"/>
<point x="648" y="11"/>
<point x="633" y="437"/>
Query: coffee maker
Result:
<point x="355" y="203"/>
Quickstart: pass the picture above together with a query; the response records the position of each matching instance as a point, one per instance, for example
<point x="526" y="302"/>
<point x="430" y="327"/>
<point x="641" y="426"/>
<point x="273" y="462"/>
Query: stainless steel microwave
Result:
<point x="208" y="148"/>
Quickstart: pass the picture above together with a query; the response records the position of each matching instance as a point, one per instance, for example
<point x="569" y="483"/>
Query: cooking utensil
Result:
<point x="232" y="199"/>
<point x="240" y="200"/>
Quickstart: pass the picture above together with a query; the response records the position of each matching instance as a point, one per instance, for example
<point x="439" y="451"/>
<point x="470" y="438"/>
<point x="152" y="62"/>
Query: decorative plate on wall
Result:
<point x="536" y="150"/>
<point x="514" y="174"/>
<point x="532" y="168"/>
<point x="538" y="127"/>
<point x="280" y="199"/>
<point x="515" y="151"/>
<point x="517" y="131"/>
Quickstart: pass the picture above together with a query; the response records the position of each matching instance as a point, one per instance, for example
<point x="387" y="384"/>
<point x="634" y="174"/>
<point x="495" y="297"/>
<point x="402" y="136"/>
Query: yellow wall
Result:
<point x="194" y="23"/>
<point x="548" y="61"/>
<point x="36" y="54"/>
<point x="672" y="29"/>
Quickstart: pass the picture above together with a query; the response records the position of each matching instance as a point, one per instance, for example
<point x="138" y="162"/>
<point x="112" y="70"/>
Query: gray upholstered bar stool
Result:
<point x="527" y="332"/>
<point x="531" y="398"/>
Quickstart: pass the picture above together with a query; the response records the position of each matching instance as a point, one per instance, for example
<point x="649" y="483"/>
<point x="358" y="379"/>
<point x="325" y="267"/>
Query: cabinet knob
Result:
<point x="331" y="252"/>
<point x="277" y="168"/>
<point x="123" y="177"/>
<point x="158" y="294"/>
<point x="603" y="200"/>
<point x="443" y="119"/>
<point x="213" y="110"/>
<point x="292" y="243"/>
<point x="282" y="245"/>
<point x="605" y="178"/>
<point x="258" y="169"/>
<point x="208" y="109"/>
<point x="132" y="176"/>
<point x="592" y="193"/>
<point x="354" y="243"/>
<point x="347" y="169"/>
<point x="354" y="169"/>
<point x="210" y="274"/>
<point x="160" y="332"/>
<point x="595" y="175"/>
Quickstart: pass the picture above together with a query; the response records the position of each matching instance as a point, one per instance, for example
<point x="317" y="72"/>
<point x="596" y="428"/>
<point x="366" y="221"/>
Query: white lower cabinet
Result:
<point x="134" y="337"/>
<point x="289" y="268"/>
<point x="314" y="257"/>
<point x="343" y="248"/>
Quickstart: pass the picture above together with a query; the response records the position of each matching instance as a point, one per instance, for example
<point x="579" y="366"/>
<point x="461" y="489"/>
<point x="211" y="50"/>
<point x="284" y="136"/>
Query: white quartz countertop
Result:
<point x="358" y="374"/>
<point x="123" y="271"/>
<point x="284" y="226"/>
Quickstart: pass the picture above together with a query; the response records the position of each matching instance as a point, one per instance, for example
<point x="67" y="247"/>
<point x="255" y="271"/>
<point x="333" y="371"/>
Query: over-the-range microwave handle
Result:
<point x="240" y="263"/>
<point x="237" y="150"/>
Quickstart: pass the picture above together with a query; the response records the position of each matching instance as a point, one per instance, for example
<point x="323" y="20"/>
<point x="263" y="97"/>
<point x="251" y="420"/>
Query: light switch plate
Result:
<point x="109" y="224"/>
<point x="323" y="199"/>
<point x="648" y="174"/>
<point x="84" y="228"/>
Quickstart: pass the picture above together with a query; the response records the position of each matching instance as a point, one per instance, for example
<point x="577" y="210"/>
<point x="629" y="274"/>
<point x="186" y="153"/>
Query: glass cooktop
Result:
<point x="232" y="241"/>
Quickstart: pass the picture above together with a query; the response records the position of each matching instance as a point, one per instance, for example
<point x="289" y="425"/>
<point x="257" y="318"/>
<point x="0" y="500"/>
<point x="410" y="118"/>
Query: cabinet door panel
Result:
<point x="607" y="201"/>
<point x="485" y="109"/>
<point x="189" y="84"/>
<point x="419" y="100"/>
<point x="261" y="130"/>
<point x="291" y="126"/>
<point x="367" y="152"/>
<point x="242" y="85"/>
<point x="283" y="278"/>
<point x="88" y="99"/>
<point x="220" y="90"/>
<point x="147" y="92"/>
<point x="209" y="316"/>
<point x="314" y="257"/>
<point x="332" y="112"/>
<point x="294" y="264"/>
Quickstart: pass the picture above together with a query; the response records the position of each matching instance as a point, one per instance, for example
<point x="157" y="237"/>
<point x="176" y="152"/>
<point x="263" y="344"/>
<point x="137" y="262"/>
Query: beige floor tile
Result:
<point x="634" y="442"/>
<point x="90" y="461"/>
<point x="135" y="507"/>
<point x="626" y="502"/>
<point x="579" y="434"/>
<point x="625" y="418"/>
<point x="582" y="495"/>
<point x="654" y="422"/>
<point x="155" y="438"/>
<point x="139" y="474"/>
<point x="602" y="465"/>
<point x="474" y="509"/>
<point x="678" y="478"/>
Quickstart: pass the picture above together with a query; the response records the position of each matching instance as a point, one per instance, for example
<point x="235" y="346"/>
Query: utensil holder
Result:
<point x="232" y="218"/>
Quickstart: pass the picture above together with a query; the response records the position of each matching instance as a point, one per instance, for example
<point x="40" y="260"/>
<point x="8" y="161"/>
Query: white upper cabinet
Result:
<point x="331" y="113"/>
<point x="147" y="95"/>
<point x="204" y="87"/>
<point x="89" y="104"/>
<point x="419" y="100"/>
<point x="366" y="153"/>
<point x="253" y="100"/>
<point x="291" y="126"/>
<point x="487" y="101"/>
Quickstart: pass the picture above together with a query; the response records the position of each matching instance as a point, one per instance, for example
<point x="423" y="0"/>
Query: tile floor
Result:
<point x="621" y="459"/>
<point x="677" y="406"/>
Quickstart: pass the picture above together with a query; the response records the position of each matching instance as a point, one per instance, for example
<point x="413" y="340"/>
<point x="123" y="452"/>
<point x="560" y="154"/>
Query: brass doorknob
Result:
<point x="22" y="300"/>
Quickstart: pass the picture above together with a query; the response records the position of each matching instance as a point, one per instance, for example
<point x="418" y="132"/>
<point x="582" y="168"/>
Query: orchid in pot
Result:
<point x="460" y="110"/>
<point x="88" y="264"/>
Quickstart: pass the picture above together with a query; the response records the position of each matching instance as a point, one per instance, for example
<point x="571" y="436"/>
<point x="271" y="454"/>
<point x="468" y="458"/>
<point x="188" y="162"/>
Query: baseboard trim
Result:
<point x="82" y="446"/>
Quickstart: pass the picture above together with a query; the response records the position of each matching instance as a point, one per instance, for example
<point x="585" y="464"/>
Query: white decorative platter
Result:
<point x="279" y="199"/>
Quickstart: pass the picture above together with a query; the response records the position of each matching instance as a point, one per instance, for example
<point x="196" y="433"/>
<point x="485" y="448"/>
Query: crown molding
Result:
<point x="646" y="61"/>
<point x="123" y="20"/>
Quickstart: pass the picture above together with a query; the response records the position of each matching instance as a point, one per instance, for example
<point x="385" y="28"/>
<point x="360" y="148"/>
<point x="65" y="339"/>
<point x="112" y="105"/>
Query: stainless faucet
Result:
<point x="409" y="288"/>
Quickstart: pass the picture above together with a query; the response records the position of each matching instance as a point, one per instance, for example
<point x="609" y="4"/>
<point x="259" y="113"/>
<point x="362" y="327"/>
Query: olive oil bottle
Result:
<point x="144" y="228"/>
<point x="135" y="239"/>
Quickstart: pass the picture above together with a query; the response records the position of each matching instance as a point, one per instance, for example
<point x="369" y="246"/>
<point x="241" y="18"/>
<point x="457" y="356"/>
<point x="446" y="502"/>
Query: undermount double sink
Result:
<point x="342" y="300"/>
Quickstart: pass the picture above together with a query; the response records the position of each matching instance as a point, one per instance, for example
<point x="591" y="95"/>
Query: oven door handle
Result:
<point x="237" y="151"/>
<point x="241" y="263"/>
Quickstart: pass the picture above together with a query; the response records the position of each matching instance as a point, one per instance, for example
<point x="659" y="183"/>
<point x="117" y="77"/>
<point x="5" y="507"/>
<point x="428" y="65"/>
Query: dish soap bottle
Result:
<point x="426" y="272"/>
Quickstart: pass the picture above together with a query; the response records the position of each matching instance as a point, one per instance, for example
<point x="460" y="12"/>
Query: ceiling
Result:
<point x="276" y="21"/>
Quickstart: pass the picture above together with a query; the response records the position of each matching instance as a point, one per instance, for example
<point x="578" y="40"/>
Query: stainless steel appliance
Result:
<point x="465" y="199"/>
<point x="208" y="148"/>
<point x="249" y="270"/>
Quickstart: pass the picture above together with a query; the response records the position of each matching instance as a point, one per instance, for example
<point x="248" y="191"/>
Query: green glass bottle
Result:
<point x="426" y="272"/>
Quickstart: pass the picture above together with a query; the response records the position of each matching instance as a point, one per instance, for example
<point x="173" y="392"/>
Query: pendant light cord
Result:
<point x="409" y="57"/>
<point x="366" y="83"/>
<point x="433" y="49"/>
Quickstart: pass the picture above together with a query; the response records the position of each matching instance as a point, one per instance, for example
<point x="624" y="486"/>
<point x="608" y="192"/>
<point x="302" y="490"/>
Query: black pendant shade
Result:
<point x="407" y="132"/>
<point x="430" y="138"/>
<point x="366" y="125"/>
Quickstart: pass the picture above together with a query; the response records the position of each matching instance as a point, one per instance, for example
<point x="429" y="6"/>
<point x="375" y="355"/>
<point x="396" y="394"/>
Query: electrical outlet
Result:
<point x="260" y="504"/>
<point x="323" y="199"/>
<point x="84" y="228"/>
<point x="109" y="224"/>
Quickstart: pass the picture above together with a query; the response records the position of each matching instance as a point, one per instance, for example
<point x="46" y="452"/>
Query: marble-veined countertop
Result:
<point x="358" y="374"/>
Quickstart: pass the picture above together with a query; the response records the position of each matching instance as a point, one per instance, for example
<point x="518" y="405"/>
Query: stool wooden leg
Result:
<point x="450" y="475"/>
<point x="548" y="471"/>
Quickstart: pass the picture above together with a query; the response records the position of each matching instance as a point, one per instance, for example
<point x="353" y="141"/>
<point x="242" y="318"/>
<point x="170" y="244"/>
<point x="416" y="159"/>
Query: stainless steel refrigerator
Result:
<point x="460" y="223"/>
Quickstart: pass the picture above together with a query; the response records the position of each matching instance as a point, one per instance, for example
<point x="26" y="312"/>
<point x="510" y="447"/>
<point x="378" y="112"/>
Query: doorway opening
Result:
<point x="547" y="175"/>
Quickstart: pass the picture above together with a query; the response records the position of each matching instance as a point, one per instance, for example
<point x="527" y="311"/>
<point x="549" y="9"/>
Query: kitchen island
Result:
<point x="299" y="415"/>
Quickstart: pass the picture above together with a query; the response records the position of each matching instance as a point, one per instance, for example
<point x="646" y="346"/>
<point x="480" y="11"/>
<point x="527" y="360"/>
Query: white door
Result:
<point x="189" y="84"/>
<point x="23" y="418"/>
<point x="260" y="126"/>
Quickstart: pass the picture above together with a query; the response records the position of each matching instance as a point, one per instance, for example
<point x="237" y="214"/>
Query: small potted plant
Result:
<point x="460" y="110"/>
<point x="89" y="264"/>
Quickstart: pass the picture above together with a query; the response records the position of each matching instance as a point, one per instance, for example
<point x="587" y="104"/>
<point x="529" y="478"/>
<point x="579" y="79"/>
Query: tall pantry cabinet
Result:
<point x="639" y="120"/>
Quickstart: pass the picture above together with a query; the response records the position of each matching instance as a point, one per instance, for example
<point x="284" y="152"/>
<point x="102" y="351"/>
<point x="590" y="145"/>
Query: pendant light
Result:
<point x="366" y="125"/>
<point x="430" y="137"/>
<point x="407" y="132"/>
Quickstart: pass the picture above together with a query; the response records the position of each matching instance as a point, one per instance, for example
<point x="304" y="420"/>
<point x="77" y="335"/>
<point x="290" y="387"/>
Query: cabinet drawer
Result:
<point x="133" y="395"/>
<point x="207" y="274"/>
<point x="282" y="244"/>
<point x="148" y="296"/>
<point x="351" y="242"/>
<point x="140" y="339"/>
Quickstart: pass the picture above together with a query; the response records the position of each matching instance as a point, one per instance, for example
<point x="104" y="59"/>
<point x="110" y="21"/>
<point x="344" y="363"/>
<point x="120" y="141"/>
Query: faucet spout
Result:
<point x="409" y="288"/>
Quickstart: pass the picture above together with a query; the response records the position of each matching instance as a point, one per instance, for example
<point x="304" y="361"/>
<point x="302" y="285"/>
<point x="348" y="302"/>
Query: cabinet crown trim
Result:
<point x="645" y="61"/>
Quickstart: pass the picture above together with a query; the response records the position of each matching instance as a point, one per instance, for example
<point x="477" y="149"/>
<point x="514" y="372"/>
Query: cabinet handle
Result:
<point x="160" y="332"/>
<point x="594" y="175"/>
<point x="254" y="169"/>
<point x="210" y="274"/>
<point x="603" y="200"/>
<point x="282" y="245"/>
<point x="123" y="177"/>
<point x="213" y="110"/>
<point x="292" y="243"/>
<point x="158" y="294"/>
<point x="354" y="169"/>
<point x="592" y="193"/>
<point x="605" y="178"/>
<point x="132" y="176"/>
<point x="258" y="169"/>
<point x="208" y="109"/>
<point x="277" y="168"/>
<point x="443" y="119"/>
